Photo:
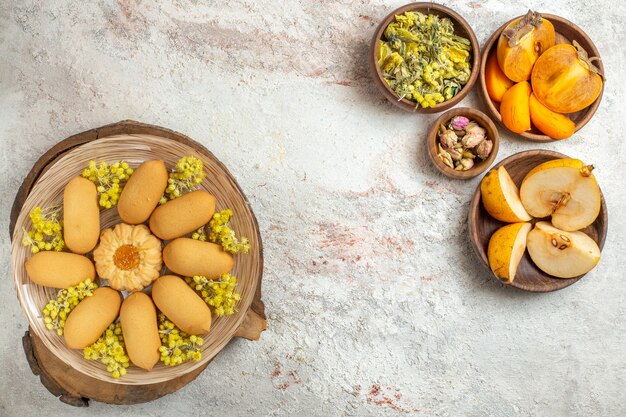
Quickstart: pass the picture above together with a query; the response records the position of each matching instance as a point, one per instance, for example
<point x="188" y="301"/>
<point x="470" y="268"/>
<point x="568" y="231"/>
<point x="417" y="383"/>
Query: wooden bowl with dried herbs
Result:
<point x="463" y="143"/>
<point x="424" y="58"/>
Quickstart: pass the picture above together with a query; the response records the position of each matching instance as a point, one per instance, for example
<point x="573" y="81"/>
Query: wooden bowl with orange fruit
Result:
<point x="541" y="77"/>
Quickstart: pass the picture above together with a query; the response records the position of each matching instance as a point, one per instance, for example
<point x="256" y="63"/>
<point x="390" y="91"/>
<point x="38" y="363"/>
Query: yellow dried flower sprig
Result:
<point x="223" y="235"/>
<point x="218" y="294"/>
<point x="56" y="310"/>
<point x="110" y="350"/>
<point x="109" y="180"/>
<point x="47" y="231"/>
<point x="176" y="345"/>
<point x="186" y="176"/>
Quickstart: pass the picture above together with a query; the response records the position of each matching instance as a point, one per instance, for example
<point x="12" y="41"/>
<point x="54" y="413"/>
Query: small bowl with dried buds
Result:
<point x="463" y="143"/>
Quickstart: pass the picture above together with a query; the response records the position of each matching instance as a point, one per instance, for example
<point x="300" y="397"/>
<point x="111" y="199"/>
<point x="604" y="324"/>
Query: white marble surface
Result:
<point x="376" y="304"/>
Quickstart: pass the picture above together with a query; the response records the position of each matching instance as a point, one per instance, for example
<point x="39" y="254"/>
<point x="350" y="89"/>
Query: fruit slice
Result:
<point x="562" y="254"/>
<point x="501" y="197"/>
<point x="515" y="108"/>
<point x="496" y="82"/>
<point x="522" y="42"/>
<point x="564" y="189"/>
<point x="565" y="80"/>
<point x="506" y="248"/>
<point x="548" y="122"/>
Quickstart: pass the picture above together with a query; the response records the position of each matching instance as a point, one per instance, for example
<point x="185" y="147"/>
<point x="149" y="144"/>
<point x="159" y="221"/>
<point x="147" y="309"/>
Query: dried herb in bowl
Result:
<point x="461" y="142"/>
<point x="422" y="59"/>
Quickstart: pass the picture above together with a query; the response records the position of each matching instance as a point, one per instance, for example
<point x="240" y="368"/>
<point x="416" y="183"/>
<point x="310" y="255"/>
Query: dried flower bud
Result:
<point x="474" y="129"/>
<point x="472" y="139"/>
<point x="446" y="160"/>
<point x="484" y="149"/>
<point x="445" y="157"/>
<point x="459" y="122"/>
<point x="448" y="139"/>
<point x="455" y="154"/>
<point x="467" y="163"/>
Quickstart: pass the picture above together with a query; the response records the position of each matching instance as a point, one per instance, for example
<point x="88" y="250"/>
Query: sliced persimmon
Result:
<point x="565" y="80"/>
<point x="514" y="108"/>
<point x="496" y="82"/>
<point x="550" y="123"/>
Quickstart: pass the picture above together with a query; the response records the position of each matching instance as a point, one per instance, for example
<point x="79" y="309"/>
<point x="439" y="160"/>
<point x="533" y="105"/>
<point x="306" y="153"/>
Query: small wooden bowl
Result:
<point x="484" y="121"/>
<point x="566" y="32"/>
<point x="482" y="226"/>
<point x="461" y="28"/>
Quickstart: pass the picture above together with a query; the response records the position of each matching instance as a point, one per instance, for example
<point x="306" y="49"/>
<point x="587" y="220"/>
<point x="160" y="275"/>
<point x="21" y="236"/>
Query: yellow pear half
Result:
<point x="564" y="189"/>
<point x="501" y="198"/>
<point x="506" y="248"/>
<point x="560" y="253"/>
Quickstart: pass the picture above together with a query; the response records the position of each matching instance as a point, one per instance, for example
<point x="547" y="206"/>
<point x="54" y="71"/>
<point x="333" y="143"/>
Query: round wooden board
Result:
<point x="566" y="32"/>
<point x="58" y="377"/>
<point x="482" y="225"/>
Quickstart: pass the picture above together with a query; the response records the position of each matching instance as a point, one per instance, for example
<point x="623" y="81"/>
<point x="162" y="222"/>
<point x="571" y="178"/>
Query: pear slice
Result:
<point x="506" y="248"/>
<point x="500" y="197"/>
<point x="564" y="189"/>
<point x="560" y="253"/>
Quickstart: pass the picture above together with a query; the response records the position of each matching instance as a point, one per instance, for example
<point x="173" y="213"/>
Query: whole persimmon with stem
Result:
<point x="522" y="42"/>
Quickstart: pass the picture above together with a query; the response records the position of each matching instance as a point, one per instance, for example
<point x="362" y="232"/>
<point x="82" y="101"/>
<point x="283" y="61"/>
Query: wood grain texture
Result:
<point x="483" y="120"/>
<point x="61" y="379"/>
<point x="566" y="32"/>
<point x="481" y="226"/>
<point x="77" y="389"/>
<point x="461" y="28"/>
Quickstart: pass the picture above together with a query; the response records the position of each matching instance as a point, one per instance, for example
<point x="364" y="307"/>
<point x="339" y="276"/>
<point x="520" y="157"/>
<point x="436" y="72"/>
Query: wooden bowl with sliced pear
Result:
<point x="557" y="189"/>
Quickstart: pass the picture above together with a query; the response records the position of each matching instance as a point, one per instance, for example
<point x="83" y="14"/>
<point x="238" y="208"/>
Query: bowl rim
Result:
<point x="483" y="120"/>
<point x="490" y="107"/>
<point x="481" y="255"/>
<point x="408" y="105"/>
